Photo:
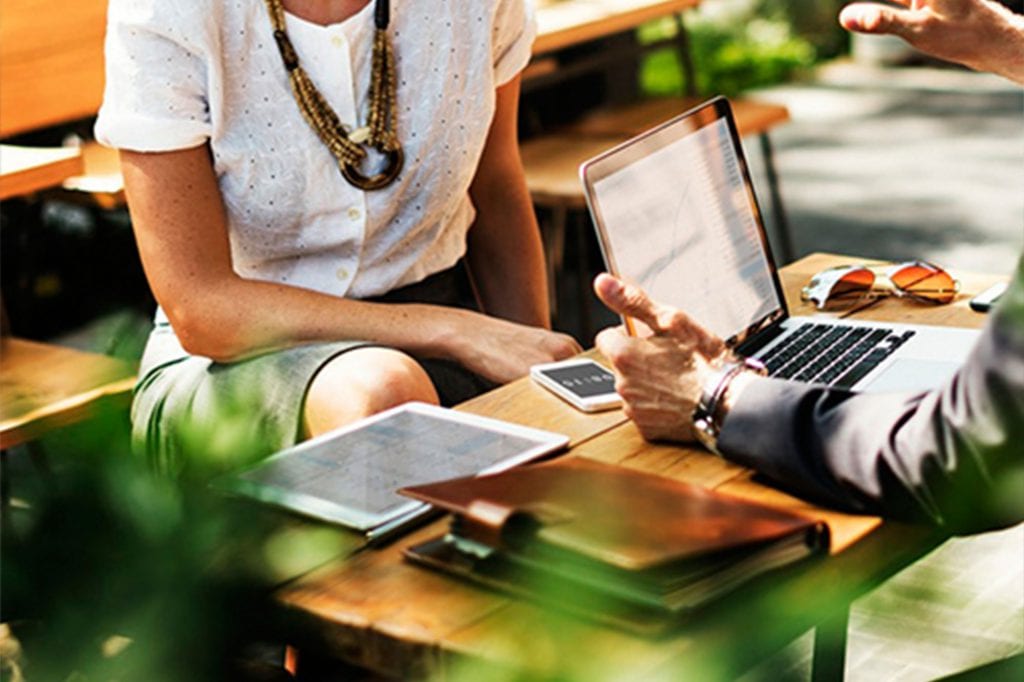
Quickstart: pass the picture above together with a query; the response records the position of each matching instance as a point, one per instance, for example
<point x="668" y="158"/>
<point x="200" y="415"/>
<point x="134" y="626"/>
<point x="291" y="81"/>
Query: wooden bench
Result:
<point x="552" y="161"/>
<point x="44" y="387"/>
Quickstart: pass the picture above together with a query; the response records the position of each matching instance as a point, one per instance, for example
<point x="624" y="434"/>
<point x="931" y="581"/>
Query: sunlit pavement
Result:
<point x="904" y="163"/>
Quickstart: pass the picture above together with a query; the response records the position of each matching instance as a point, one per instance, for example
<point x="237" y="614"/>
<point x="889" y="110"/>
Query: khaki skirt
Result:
<point x="191" y="415"/>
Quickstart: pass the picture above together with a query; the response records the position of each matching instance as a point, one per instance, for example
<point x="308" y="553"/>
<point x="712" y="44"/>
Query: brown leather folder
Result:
<point x="624" y="546"/>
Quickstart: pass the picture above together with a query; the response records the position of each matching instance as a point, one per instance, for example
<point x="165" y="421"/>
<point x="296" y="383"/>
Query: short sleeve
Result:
<point x="515" y="28"/>
<point x="155" y="98"/>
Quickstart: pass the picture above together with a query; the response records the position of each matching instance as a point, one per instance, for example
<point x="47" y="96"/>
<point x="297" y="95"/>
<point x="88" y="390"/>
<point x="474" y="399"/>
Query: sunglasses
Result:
<point x="918" y="280"/>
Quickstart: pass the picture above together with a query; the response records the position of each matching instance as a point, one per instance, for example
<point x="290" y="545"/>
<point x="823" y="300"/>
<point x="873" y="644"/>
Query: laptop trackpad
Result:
<point x="909" y="374"/>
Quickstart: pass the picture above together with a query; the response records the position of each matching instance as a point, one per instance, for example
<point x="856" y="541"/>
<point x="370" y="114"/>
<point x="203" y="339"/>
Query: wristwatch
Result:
<point x="710" y="411"/>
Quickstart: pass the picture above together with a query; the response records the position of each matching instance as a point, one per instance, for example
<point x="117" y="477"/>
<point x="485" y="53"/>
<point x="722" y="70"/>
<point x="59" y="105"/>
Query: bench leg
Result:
<point x="583" y="276"/>
<point x="685" y="57"/>
<point x="5" y="484"/>
<point x="785" y="241"/>
<point x="553" y="237"/>
<point x="829" y="661"/>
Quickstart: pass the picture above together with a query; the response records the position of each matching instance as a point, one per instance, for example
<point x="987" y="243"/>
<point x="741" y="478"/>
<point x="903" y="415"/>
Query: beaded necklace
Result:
<point x="349" y="146"/>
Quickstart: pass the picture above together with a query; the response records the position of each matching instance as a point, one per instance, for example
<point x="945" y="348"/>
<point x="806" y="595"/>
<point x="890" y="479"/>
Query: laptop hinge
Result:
<point x="758" y="341"/>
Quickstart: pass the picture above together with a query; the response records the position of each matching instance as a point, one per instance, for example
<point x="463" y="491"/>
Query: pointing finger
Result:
<point x="627" y="300"/>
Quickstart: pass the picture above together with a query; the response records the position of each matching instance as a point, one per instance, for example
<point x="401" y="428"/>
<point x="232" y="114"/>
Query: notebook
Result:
<point x="610" y="543"/>
<point x="351" y="476"/>
<point x="675" y="212"/>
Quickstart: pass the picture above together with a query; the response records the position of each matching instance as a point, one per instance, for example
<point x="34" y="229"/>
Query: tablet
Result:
<point x="349" y="476"/>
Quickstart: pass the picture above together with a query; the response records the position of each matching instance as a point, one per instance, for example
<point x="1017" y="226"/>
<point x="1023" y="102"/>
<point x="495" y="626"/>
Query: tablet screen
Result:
<point x="350" y="476"/>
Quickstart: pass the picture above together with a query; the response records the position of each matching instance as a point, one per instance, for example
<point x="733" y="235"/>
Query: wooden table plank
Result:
<point x="386" y="614"/>
<point x="752" y="117"/>
<point x="51" y="63"/>
<point x="893" y="309"/>
<point x="715" y="644"/>
<point x="24" y="170"/>
<point x="563" y="23"/>
<point x="43" y="386"/>
<point x="524" y="402"/>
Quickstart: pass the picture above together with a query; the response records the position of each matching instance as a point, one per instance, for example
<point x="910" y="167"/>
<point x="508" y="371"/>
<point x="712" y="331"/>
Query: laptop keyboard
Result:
<point x="834" y="355"/>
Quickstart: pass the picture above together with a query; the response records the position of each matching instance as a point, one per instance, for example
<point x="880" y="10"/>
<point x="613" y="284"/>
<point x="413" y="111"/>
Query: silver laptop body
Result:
<point x="675" y="212"/>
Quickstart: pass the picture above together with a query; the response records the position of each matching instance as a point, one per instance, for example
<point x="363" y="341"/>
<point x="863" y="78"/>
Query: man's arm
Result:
<point x="954" y="456"/>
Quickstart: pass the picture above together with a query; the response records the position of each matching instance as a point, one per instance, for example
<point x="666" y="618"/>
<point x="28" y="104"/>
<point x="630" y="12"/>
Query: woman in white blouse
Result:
<point x="263" y="255"/>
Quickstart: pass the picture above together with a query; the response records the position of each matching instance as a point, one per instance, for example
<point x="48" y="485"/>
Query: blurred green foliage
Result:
<point x="111" y="572"/>
<point x="744" y="44"/>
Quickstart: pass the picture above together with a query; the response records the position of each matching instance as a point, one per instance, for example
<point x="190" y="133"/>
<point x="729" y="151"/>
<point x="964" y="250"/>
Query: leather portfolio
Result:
<point x="626" y="547"/>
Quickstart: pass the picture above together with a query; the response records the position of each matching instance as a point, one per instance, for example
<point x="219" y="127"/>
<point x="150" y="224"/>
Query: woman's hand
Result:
<point x="500" y="350"/>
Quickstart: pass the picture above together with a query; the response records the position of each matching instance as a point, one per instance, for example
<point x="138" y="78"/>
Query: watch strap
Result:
<point x="708" y="415"/>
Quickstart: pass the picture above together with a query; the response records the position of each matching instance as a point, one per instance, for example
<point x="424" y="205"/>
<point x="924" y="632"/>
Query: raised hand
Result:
<point x="980" y="34"/>
<point x="659" y="377"/>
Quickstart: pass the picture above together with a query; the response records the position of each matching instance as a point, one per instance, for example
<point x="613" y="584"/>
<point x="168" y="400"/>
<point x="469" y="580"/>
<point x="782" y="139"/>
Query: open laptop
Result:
<point x="675" y="212"/>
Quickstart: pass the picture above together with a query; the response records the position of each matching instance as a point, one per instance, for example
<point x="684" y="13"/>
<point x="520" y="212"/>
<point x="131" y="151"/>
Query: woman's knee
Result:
<point x="362" y="382"/>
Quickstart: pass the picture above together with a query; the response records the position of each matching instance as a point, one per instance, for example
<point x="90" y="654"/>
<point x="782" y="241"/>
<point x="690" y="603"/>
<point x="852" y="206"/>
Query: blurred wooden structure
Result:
<point x="51" y="63"/>
<point x="44" y="387"/>
<point x="27" y="170"/>
<point x="51" y="73"/>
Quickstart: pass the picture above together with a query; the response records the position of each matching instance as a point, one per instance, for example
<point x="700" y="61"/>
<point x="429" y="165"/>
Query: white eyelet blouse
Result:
<point x="188" y="72"/>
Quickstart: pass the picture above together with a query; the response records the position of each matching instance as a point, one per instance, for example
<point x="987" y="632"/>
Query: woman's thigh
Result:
<point x="362" y="382"/>
<point x="191" y="411"/>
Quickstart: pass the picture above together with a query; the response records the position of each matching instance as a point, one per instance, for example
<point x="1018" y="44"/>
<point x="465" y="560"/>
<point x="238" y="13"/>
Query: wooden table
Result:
<point x="24" y="170"/>
<point x="563" y="23"/>
<point x="377" y="611"/>
<point x="43" y="386"/>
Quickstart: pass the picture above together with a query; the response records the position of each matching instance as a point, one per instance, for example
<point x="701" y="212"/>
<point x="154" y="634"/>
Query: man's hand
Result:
<point x="980" y="34"/>
<point x="659" y="377"/>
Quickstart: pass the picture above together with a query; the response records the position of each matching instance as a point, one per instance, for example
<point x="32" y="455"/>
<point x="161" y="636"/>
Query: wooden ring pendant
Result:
<point x="378" y="180"/>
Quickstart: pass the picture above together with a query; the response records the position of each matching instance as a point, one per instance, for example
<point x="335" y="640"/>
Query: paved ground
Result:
<point x="904" y="163"/>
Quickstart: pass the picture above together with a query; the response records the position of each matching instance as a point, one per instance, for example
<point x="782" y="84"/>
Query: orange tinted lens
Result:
<point x="925" y="281"/>
<point x="853" y="283"/>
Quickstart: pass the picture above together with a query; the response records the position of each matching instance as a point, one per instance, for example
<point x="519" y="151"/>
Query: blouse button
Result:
<point x="354" y="213"/>
<point x="338" y="41"/>
<point x="342" y="274"/>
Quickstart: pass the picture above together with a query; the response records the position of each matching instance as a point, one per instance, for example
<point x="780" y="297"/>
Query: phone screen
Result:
<point x="585" y="380"/>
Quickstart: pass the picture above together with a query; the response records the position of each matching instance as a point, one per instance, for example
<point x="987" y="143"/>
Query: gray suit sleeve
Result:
<point x="953" y="456"/>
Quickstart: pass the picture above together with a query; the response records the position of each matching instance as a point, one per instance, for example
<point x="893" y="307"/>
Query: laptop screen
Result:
<point x="676" y="214"/>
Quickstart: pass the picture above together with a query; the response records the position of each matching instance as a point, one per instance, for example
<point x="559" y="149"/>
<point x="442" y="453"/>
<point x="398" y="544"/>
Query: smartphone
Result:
<point x="584" y="384"/>
<point x="988" y="298"/>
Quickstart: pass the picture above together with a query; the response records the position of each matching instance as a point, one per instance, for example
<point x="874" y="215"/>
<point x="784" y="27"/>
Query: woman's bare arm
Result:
<point x="505" y="252"/>
<point x="181" y="228"/>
